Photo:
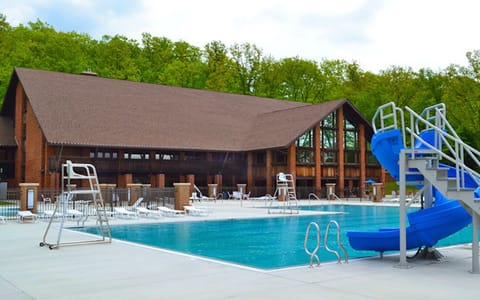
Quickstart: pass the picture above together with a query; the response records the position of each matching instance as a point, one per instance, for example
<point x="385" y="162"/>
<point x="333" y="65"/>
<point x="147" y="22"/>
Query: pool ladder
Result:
<point x="313" y="254"/>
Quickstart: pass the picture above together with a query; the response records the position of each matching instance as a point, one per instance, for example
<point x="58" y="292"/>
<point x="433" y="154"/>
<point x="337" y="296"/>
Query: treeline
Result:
<point x="244" y="69"/>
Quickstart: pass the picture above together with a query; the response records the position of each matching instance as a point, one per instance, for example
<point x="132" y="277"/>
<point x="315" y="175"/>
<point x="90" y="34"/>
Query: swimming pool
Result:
<point x="266" y="243"/>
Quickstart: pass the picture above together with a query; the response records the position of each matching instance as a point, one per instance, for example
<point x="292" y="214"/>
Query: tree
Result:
<point x="247" y="59"/>
<point x="301" y="79"/>
<point x="219" y="69"/>
<point x="186" y="69"/>
<point x="156" y="54"/>
<point x="116" y="57"/>
<point x="270" y="80"/>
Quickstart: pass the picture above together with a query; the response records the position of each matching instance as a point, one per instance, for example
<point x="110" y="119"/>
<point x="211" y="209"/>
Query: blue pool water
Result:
<point x="266" y="243"/>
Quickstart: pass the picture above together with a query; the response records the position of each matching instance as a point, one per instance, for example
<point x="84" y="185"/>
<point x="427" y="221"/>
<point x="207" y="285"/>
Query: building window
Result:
<point x="305" y="148"/>
<point x="136" y="156"/>
<point x="351" y="143"/>
<point x="166" y="156"/>
<point x="259" y="158"/>
<point x="330" y="121"/>
<point x="305" y="157"/>
<point x="329" y="157"/>
<point x="306" y="140"/>
<point x="329" y="139"/>
<point x="280" y="157"/>
<point x="351" y="157"/>
<point x="103" y="154"/>
<point x="195" y="156"/>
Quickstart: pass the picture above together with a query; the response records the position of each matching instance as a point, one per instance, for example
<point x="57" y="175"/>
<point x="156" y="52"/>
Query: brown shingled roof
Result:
<point x="93" y="111"/>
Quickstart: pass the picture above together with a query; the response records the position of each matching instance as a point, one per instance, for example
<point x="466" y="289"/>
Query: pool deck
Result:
<point x="128" y="271"/>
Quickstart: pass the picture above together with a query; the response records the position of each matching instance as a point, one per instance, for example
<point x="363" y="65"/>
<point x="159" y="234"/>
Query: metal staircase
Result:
<point x="433" y="140"/>
<point x="78" y="173"/>
<point x="446" y="146"/>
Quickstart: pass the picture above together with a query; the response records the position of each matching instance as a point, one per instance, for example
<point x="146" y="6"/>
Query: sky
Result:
<point x="376" y="34"/>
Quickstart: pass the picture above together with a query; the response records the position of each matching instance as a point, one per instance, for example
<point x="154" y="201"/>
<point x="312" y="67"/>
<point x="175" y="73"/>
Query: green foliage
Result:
<point x="244" y="69"/>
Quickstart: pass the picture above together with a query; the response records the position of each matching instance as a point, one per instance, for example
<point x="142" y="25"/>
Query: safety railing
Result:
<point x="389" y="117"/>
<point x="447" y="144"/>
<point x="339" y="243"/>
<point x="313" y="254"/>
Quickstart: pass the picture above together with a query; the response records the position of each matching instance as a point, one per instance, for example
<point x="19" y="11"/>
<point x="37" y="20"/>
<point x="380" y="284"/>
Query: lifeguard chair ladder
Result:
<point x="78" y="172"/>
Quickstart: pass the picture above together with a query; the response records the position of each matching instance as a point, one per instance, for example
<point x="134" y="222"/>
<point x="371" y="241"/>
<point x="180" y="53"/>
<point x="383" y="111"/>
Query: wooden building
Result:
<point x="154" y="134"/>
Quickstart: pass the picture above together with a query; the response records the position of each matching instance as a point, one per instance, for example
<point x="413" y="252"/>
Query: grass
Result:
<point x="393" y="186"/>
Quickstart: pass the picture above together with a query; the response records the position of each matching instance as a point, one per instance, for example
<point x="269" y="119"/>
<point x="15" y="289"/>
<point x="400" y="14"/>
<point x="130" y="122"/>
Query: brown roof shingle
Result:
<point x="93" y="111"/>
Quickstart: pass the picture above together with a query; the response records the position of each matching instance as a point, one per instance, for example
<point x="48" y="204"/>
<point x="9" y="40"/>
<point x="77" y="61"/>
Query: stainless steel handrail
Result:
<point x="327" y="231"/>
<point x="312" y="254"/>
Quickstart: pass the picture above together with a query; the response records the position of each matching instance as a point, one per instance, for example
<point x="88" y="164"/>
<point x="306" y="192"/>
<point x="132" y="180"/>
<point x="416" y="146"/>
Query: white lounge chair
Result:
<point x="143" y="211"/>
<point x="123" y="212"/>
<point x="2" y="220"/>
<point x="196" y="211"/>
<point x="26" y="215"/>
<point x="168" y="212"/>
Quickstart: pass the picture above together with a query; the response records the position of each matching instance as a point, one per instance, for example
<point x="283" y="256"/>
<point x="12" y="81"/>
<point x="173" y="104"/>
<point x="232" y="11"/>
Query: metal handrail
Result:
<point x="445" y="137"/>
<point x="327" y="231"/>
<point x="386" y="112"/>
<point x="312" y="254"/>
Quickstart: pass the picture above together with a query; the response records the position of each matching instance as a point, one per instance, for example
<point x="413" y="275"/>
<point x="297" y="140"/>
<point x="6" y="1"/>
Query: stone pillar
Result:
<point x="135" y="191"/>
<point x="218" y="181"/>
<point x="182" y="194"/>
<point x="28" y="196"/>
<point x="191" y="180"/>
<point x="377" y="192"/>
<point x="212" y="190"/>
<point x="124" y="180"/>
<point x="330" y="191"/>
<point x="242" y="188"/>
<point x="282" y="191"/>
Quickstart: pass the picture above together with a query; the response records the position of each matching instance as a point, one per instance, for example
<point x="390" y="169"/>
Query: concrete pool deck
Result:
<point x="128" y="271"/>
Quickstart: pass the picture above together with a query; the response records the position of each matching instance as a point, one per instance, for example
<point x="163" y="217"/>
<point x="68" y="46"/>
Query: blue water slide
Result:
<point x="427" y="226"/>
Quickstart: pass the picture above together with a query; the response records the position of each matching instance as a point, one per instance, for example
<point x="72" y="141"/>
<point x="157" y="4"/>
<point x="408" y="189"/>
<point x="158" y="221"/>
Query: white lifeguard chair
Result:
<point x="79" y="172"/>
<point x="285" y="195"/>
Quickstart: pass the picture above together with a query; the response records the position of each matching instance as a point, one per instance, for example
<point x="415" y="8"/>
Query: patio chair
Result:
<point x="168" y="212"/>
<point x="143" y="211"/>
<point x="123" y="212"/>
<point x="196" y="211"/>
<point x="2" y="220"/>
<point x="26" y="215"/>
<point x="135" y="204"/>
